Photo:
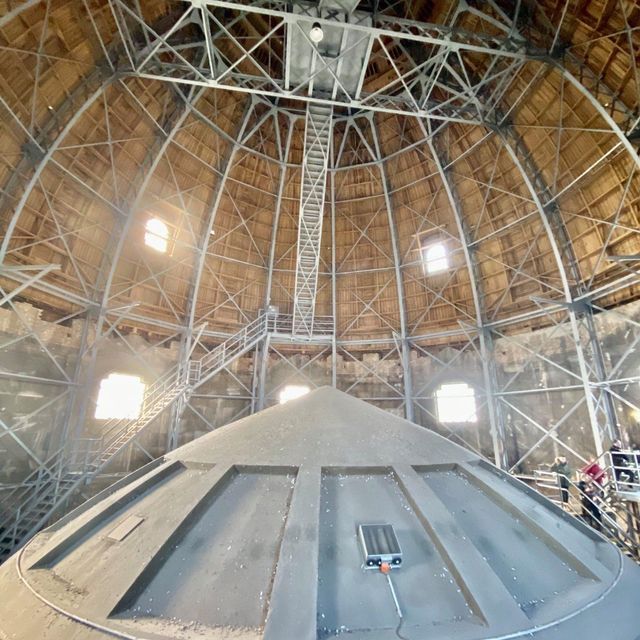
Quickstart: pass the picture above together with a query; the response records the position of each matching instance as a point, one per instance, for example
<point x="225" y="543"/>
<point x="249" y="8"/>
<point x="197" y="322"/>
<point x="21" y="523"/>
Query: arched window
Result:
<point x="120" y="396"/>
<point x="156" y="235"/>
<point x="292" y="391"/>
<point x="456" y="403"/>
<point x="434" y="258"/>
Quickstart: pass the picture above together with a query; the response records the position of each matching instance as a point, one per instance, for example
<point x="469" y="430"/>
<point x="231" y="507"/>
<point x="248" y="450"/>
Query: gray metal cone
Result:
<point x="252" y="532"/>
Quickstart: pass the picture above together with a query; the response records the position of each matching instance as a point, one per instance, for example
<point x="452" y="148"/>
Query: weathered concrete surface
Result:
<point x="250" y="532"/>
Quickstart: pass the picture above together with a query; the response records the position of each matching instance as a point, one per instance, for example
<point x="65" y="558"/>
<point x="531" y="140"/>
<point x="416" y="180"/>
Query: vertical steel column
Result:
<point x="584" y="313"/>
<point x="69" y="384"/>
<point x="405" y="347"/>
<point x="257" y="359"/>
<point x="496" y="418"/>
<point x="200" y="262"/>
<point x="67" y="428"/>
<point x="262" y="376"/>
<point x="178" y="407"/>
<point x="546" y="217"/>
<point x="264" y="360"/>
<point x="496" y="423"/>
<point x="334" y="346"/>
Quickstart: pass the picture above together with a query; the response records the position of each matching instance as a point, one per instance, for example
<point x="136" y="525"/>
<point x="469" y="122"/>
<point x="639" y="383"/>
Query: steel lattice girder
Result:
<point x="318" y="132"/>
<point x="168" y="58"/>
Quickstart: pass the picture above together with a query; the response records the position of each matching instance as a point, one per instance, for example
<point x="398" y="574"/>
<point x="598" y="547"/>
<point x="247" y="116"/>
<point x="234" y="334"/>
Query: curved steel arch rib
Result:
<point x="47" y="150"/>
<point x="405" y="352"/>
<point x="485" y="337"/>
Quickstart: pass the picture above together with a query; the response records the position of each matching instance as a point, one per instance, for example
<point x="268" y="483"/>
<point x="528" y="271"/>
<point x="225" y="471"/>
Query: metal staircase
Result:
<point x="119" y="433"/>
<point x="32" y="505"/>
<point x="223" y="354"/>
<point x="29" y="507"/>
<point x="312" y="193"/>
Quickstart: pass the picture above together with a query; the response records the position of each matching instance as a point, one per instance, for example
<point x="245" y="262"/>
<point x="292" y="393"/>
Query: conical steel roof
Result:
<point x="252" y="532"/>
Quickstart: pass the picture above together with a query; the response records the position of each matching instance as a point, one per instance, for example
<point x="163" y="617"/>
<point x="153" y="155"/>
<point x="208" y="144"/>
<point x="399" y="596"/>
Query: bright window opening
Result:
<point x="435" y="258"/>
<point x="456" y="403"/>
<point x="120" y="396"/>
<point x="156" y="235"/>
<point x="292" y="391"/>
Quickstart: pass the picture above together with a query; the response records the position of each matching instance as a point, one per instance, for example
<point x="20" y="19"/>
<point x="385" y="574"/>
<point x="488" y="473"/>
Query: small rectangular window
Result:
<point x="292" y="391"/>
<point x="456" y="403"/>
<point x="156" y="235"/>
<point x="434" y="258"/>
<point x="120" y="396"/>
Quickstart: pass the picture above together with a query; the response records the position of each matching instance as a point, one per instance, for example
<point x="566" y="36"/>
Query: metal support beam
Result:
<point x="334" y="307"/>
<point x="404" y="93"/>
<point x="41" y="271"/>
<point x="95" y="87"/>
<point x="166" y="133"/>
<point x="263" y="361"/>
<point x="278" y="211"/>
<point x="562" y="248"/>
<point x="441" y="159"/>
<point x="262" y="376"/>
<point x="200" y="260"/>
<point x="207" y="227"/>
<point x="405" y="349"/>
<point x="548" y="223"/>
<point x="16" y="11"/>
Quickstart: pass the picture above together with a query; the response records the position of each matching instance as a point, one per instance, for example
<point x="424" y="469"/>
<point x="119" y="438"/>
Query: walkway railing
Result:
<point x="322" y="326"/>
<point x="623" y="470"/>
<point x="615" y="519"/>
<point x="28" y="507"/>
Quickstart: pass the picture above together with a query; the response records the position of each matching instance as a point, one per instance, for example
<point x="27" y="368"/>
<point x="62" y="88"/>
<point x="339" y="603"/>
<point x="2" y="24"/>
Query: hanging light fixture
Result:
<point x="316" y="34"/>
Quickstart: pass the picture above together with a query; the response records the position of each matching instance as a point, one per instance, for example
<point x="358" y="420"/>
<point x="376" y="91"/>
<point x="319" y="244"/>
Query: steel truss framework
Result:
<point x="590" y="389"/>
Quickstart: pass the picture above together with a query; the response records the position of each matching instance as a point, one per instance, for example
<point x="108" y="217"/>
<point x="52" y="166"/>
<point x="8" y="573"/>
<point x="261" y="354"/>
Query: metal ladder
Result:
<point x="312" y="193"/>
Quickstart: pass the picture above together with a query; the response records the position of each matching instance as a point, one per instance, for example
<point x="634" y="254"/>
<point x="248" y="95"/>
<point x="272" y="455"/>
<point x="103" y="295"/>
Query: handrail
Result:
<point x="616" y="470"/>
<point x="151" y="394"/>
<point x="219" y="352"/>
<point x="605" y="490"/>
<point x="62" y="472"/>
<point x="606" y="456"/>
<point x="28" y="484"/>
<point x="614" y="489"/>
<point x="264" y="323"/>
<point x="322" y="325"/>
<point x="621" y="536"/>
<point x="234" y="345"/>
<point x="82" y="456"/>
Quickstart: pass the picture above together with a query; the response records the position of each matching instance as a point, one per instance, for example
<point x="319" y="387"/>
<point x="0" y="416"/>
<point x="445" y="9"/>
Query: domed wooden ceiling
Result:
<point x="530" y="203"/>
